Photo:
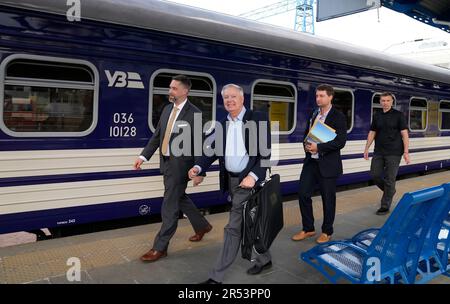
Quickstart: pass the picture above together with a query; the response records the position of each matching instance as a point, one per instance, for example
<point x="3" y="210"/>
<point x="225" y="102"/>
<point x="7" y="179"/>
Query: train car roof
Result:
<point x="181" y="19"/>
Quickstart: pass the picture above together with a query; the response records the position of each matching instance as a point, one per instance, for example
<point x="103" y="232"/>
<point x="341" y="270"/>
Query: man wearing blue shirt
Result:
<point x="241" y="162"/>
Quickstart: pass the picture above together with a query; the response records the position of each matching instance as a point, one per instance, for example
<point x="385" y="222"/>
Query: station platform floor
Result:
<point x="113" y="256"/>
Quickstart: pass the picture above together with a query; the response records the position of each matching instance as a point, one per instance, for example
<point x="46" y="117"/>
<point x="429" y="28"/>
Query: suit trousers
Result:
<point x="384" y="171"/>
<point x="309" y="179"/>
<point x="232" y="234"/>
<point x="175" y="199"/>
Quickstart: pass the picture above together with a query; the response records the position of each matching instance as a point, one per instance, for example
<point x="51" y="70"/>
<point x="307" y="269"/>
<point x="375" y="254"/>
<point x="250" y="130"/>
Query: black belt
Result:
<point x="165" y="158"/>
<point x="232" y="174"/>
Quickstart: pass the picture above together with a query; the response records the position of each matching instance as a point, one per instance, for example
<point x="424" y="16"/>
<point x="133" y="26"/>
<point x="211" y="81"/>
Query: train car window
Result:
<point x="344" y="101"/>
<point x="278" y="99"/>
<point x="376" y="106"/>
<point x="202" y="94"/>
<point x="444" y="115"/>
<point x="48" y="70"/>
<point x="418" y="114"/>
<point x="48" y="97"/>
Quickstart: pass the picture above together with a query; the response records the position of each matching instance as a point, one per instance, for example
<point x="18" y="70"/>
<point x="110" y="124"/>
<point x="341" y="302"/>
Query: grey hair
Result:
<point x="232" y="85"/>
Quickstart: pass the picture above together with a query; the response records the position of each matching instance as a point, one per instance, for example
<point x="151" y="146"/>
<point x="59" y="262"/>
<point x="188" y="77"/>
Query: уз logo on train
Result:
<point x="120" y="79"/>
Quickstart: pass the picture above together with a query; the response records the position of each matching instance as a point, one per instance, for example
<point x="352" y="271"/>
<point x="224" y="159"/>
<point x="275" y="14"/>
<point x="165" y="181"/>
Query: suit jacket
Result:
<point x="251" y="143"/>
<point x="330" y="162"/>
<point x="184" y="121"/>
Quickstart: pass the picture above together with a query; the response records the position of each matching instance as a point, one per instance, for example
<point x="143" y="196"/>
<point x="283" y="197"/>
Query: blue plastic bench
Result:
<point x="435" y="255"/>
<point x="435" y="259"/>
<point x="443" y="245"/>
<point x="391" y="254"/>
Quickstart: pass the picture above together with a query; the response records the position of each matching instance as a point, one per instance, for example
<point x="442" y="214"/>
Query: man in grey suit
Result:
<point x="242" y="164"/>
<point x="175" y="116"/>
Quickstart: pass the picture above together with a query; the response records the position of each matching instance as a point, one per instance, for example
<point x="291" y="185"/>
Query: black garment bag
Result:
<point x="262" y="217"/>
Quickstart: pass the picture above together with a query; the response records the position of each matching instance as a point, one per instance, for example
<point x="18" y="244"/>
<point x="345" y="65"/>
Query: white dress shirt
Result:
<point x="236" y="155"/>
<point x="321" y="117"/>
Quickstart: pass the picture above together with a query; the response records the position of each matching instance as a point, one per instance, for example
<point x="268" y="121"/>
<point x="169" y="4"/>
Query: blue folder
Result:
<point x="320" y="133"/>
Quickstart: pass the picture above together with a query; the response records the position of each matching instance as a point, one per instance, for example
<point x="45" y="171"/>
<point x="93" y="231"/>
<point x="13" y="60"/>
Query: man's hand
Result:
<point x="137" y="164"/>
<point x="366" y="154"/>
<point x="311" y="147"/>
<point x="406" y="157"/>
<point x="248" y="182"/>
<point x="304" y="146"/>
<point x="197" y="180"/>
<point x="193" y="172"/>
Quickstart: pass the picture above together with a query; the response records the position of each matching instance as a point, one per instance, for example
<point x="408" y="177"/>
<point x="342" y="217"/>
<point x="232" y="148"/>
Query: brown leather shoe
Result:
<point x="303" y="235"/>
<point x="323" y="238"/>
<point x="153" y="255"/>
<point x="197" y="237"/>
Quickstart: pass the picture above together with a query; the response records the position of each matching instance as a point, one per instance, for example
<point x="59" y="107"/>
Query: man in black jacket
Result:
<point x="322" y="166"/>
<point x="242" y="145"/>
<point x="178" y="115"/>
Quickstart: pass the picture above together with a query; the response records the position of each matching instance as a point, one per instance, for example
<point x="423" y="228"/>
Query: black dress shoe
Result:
<point x="382" y="211"/>
<point x="210" y="281"/>
<point x="257" y="268"/>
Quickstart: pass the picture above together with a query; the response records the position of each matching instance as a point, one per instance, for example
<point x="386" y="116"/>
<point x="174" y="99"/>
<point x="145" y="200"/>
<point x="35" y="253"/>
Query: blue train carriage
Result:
<point x="79" y="100"/>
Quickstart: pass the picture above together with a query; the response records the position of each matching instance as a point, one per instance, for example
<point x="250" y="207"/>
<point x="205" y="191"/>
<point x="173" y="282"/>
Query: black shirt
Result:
<point x="388" y="139"/>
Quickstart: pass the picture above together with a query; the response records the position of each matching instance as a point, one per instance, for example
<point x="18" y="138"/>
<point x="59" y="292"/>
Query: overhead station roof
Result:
<point x="433" y="12"/>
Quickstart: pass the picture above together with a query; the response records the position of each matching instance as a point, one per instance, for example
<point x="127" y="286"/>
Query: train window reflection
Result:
<point x="418" y="114"/>
<point x="44" y="109"/>
<point x="444" y="115"/>
<point x="48" y="98"/>
<point x="344" y="101"/>
<point x="278" y="100"/>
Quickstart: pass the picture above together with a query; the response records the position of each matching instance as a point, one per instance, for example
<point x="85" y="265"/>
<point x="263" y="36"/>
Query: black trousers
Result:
<point x="384" y="169"/>
<point x="309" y="179"/>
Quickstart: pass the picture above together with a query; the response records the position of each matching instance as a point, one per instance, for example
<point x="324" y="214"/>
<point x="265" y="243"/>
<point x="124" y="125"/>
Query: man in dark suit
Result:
<point x="322" y="166"/>
<point x="243" y="149"/>
<point x="175" y="162"/>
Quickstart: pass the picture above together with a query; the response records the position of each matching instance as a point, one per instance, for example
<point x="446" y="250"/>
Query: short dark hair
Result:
<point x="326" y="87"/>
<point x="384" y="94"/>
<point x="184" y="80"/>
